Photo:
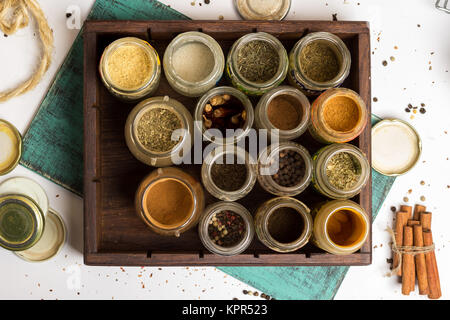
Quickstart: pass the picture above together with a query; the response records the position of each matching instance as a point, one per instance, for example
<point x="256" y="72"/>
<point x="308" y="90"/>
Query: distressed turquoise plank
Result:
<point x="53" y="143"/>
<point x="308" y="283"/>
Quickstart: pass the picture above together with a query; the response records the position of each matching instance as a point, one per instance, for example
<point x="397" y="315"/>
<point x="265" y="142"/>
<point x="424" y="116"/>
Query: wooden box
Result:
<point x="113" y="233"/>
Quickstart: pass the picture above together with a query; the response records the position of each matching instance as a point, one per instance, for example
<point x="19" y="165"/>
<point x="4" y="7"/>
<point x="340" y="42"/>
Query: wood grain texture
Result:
<point x="112" y="174"/>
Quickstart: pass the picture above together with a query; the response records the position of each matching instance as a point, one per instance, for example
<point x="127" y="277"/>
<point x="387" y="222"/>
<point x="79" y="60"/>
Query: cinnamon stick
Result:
<point x="400" y="221"/>
<point x="412" y="222"/>
<point x="408" y="209"/>
<point x="425" y="220"/>
<point x="408" y="266"/>
<point x="432" y="270"/>
<point x="421" y="269"/>
<point x="417" y="210"/>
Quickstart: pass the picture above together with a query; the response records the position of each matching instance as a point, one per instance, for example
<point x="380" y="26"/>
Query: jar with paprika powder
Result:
<point x="338" y="115"/>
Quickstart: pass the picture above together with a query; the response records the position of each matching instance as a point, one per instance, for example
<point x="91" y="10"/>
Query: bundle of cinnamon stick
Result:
<point x="414" y="256"/>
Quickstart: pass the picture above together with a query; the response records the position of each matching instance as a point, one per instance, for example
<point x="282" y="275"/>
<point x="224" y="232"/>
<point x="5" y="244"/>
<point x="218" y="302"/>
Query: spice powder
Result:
<point x="229" y="177"/>
<point x="155" y="128"/>
<point x="319" y="62"/>
<point x="341" y="113"/>
<point x="193" y="61"/>
<point x="285" y="225"/>
<point x="284" y="113"/>
<point x="258" y="61"/>
<point x="129" y="67"/>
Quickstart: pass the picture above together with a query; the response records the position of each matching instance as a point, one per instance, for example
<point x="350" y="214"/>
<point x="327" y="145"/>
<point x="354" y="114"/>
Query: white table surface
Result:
<point x="412" y="31"/>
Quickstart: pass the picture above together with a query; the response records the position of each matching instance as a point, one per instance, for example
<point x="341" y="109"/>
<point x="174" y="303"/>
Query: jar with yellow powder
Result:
<point x="10" y="147"/>
<point x="340" y="226"/>
<point x="130" y="68"/>
<point x="338" y="115"/>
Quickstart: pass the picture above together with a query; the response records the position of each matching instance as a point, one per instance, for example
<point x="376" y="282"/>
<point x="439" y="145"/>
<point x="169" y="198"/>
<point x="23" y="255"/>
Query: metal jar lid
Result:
<point x="21" y="222"/>
<point x="10" y="146"/>
<point x="51" y="242"/>
<point x="263" y="9"/>
<point x="396" y="147"/>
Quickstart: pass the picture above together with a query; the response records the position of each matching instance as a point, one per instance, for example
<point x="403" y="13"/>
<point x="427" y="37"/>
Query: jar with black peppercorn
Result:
<point x="226" y="228"/>
<point x="229" y="172"/>
<point x="285" y="169"/>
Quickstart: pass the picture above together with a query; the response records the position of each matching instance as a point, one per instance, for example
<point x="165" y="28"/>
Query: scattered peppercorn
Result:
<point x="375" y="99"/>
<point x="384" y="63"/>
<point x="422" y="110"/>
<point x="407" y="110"/>
<point x="68" y="15"/>
<point x="393" y="209"/>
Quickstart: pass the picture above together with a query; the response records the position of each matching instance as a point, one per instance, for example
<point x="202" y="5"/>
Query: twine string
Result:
<point x="410" y="250"/>
<point x="14" y="15"/>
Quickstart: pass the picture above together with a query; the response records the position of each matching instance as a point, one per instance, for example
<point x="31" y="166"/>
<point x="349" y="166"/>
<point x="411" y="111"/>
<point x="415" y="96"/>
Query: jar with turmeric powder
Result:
<point x="130" y="68"/>
<point x="338" y="115"/>
<point x="340" y="226"/>
<point x="341" y="170"/>
<point x="318" y="61"/>
<point x="169" y="201"/>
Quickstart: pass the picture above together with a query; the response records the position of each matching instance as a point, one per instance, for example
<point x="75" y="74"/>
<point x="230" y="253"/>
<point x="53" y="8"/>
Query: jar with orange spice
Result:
<point x="338" y="115"/>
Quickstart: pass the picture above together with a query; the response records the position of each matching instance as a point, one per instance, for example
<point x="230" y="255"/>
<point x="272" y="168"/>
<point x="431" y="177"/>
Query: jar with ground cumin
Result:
<point x="284" y="112"/>
<point x="229" y="172"/>
<point x="341" y="170"/>
<point x="340" y="226"/>
<point x="283" y="224"/>
<point x="285" y="169"/>
<point x="338" y="115"/>
<point x="130" y="68"/>
<point x="257" y="63"/>
<point x="318" y="61"/>
<point x="159" y="131"/>
<point x="193" y="63"/>
<point x="169" y="201"/>
<point x="226" y="228"/>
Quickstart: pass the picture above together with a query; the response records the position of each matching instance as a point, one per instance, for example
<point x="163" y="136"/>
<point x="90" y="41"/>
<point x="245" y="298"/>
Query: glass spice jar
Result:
<point x="280" y="175"/>
<point x="263" y="10"/>
<point x="216" y="131"/>
<point x="10" y="146"/>
<point x="283" y="224"/>
<point x="130" y="69"/>
<point x="169" y="201"/>
<point x="340" y="227"/>
<point x="257" y="63"/>
<point x="193" y="63"/>
<point x="229" y="172"/>
<point x="338" y="115"/>
<point x="226" y="228"/>
<point x="340" y="171"/>
<point x="284" y="112"/>
<point x="152" y="128"/>
<point x="318" y="61"/>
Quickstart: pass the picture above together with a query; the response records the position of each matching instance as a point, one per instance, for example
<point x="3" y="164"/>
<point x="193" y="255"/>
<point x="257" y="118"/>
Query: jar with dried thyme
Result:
<point x="340" y="171"/>
<point x="158" y="131"/>
<point x="257" y="63"/>
<point x="318" y="61"/>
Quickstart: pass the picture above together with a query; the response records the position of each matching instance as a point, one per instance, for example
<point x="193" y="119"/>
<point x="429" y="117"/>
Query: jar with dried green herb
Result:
<point x="159" y="131"/>
<point x="257" y="63"/>
<point x="340" y="171"/>
<point x="318" y="61"/>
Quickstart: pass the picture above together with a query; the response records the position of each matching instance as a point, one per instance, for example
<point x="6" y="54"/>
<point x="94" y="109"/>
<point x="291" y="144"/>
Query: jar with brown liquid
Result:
<point x="340" y="227"/>
<point x="169" y="201"/>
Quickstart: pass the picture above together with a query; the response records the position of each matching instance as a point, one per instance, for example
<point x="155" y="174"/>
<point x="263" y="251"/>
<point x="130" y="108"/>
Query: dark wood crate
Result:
<point x="113" y="233"/>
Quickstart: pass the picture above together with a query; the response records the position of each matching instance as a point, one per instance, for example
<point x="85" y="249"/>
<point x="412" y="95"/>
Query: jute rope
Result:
<point x="14" y="15"/>
<point x="400" y="250"/>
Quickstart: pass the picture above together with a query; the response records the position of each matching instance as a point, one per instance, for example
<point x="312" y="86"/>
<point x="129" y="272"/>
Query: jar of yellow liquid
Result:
<point x="340" y="227"/>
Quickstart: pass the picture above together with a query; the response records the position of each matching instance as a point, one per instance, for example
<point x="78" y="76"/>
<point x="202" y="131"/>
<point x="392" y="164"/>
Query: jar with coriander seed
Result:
<point x="229" y="172"/>
<point x="130" y="69"/>
<point x="159" y="131"/>
<point x="340" y="171"/>
<point x="193" y="63"/>
<point x="257" y="63"/>
<point x="318" y="61"/>
<point x="226" y="228"/>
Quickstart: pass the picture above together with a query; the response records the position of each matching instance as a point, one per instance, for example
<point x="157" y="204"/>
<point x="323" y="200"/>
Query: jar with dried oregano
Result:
<point x="130" y="68"/>
<point x="257" y="63"/>
<point x="317" y="62"/>
<point x="159" y="131"/>
<point x="340" y="171"/>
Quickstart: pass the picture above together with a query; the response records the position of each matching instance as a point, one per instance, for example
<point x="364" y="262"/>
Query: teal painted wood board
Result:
<point x="53" y="147"/>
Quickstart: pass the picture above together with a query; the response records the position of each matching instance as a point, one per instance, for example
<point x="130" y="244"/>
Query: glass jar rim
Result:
<point x="354" y="152"/>
<point x="199" y="37"/>
<point x="275" y="43"/>
<point x="235" y="208"/>
<point x="150" y="51"/>
<point x="246" y="103"/>
<point x="18" y="148"/>
<point x="338" y="44"/>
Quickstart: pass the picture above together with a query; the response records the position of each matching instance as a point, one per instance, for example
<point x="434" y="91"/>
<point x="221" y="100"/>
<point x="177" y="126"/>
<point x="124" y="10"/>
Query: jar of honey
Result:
<point x="340" y="226"/>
